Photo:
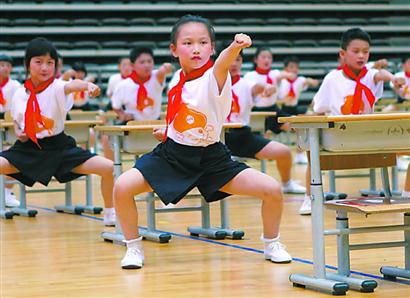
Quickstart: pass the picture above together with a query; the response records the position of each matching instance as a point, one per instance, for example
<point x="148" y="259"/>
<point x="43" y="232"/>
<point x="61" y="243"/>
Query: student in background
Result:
<point x="43" y="150"/>
<point x="125" y="68"/>
<point x="8" y="87"/>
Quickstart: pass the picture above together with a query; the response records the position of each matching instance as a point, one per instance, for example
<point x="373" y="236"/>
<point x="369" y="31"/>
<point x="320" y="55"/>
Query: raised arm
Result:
<point x="165" y="69"/>
<point x="78" y="85"/>
<point x="228" y="56"/>
<point x="385" y="76"/>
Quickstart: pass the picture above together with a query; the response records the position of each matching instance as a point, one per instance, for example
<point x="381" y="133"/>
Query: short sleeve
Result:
<point x="214" y="89"/>
<point x="117" y="96"/>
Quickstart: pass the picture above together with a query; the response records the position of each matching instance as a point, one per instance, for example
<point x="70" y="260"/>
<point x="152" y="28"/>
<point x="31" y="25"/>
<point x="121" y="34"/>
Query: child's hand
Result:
<point x="93" y="90"/>
<point x="242" y="41"/>
<point x="290" y="75"/>
<point x="159" y="133"/>
<point x="398" y="82"/>
<point x="269" y="90"/>
<point x="312" y="82"/>
<point x="167" y="67"/>
<point x="21" y="136"/>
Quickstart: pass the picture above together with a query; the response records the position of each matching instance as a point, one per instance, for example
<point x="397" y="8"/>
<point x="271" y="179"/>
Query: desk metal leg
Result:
<point x="392" y="273"/>
<point x="22" y="209"/>
<point x="332" y="194"/>
<point x="234" y="234"/>
<point x="206" y="228"/>
<point x="372" y="191"/>
<point x="89" y="207"/>
<point x="318" y="281"/>
<point x="3" y="211"/>
<point x="68" y="207"/>
<point x="394" y="182"/>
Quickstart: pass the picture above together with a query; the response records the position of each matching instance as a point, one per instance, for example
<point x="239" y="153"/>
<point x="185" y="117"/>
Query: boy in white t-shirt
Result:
<point x="141" y="92"/>
<point x="8" y="87"/>
<point x="125" y="68"/>
<point x="353" y="89"/>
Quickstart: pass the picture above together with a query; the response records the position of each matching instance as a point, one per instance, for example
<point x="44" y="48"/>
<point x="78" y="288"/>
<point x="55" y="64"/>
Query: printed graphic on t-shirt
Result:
<point x="346" y="108"/>
<point x="148" y="103"/>
<point x="191" y="126"/>
<point x="48" y="125"/>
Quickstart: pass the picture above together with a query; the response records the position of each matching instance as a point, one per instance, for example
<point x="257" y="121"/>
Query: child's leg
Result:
<point x="281" y="154"/>
<point x="103" y="167"/>
<point x="128" y="185"/>
<point x="256" y="184"/>
<point x="108" y="153"/>
<point x="7" y="168"/>
<point x="283" y="157"/>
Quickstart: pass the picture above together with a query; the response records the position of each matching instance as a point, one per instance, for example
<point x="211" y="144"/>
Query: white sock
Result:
<point x="109" y="211"/>
<point x="267" y="240"/>
<point x="133" y="242"/>
<point x="405" y="194"/>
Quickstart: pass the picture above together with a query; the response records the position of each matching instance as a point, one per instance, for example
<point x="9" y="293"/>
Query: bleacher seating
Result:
<point x="300" y="27"/>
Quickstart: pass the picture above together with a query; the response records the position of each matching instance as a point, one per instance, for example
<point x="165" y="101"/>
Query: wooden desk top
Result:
<point x="262" y="114"/>
<point x="344" y="118"/>
<point x="7" y="124"/>
<point x="142" y="127"/>
<point x="369" y="205"/>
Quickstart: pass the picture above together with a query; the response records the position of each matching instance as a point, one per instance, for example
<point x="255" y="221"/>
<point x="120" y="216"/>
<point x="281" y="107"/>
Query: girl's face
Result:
<point x="264" y="60"/>
<point x="125" y="67"/>
<point x="235" y="68"/>
<point x="356" y="54"/>
<point x="144" y="65"/>
<point x="41" y="68"/>
<point x="80" y="75"/>
<point x="193" y="46"/>
<point x="5" y="69"/>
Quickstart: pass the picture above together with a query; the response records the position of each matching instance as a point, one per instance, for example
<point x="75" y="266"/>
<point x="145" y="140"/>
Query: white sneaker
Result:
<point x="11" y="200"/>
<point x="276" y="252"/>
<point x="301" y="158"/>
<point x="306" y="208"/>
<point x="109" y="217"/>
<point x="292" y="187"/>
<point x="134" y="258"/>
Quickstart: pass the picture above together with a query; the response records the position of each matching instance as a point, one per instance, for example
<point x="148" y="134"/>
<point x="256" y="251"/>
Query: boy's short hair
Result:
<point x="79" y="66"/>
<point x="290" y="59"/>
<point x="352" y="34"/>
<point x="6" y="58"/>
<point x="136" y="52"/>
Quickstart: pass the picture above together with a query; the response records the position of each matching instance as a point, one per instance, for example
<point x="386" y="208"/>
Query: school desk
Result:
<point x="79" y="129"/>
<point x="348" y="142"/>
<point x="138" y="139"/>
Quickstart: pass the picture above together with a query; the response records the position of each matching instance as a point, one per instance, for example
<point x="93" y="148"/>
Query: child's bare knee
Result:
<point x="272" y="191"/>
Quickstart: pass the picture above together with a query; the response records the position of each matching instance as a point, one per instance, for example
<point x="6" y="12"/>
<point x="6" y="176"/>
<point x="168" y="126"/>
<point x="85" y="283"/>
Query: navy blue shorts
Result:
<point x="243" y="142"/>
<point x="172" y="170"/>
<point x="58" y="155"/>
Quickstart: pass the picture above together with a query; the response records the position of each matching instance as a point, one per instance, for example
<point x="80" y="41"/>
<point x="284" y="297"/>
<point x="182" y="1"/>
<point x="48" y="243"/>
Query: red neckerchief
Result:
<point x="2" y="99"/>
<point x="175" y="94"/>
<point x="142" y="91"/>
<point x="235" y="98"/>
<point x="407" y="74"/>
<point x="339" y="67"/>
<point x="358" y="91"/>
<point x="32" y="116"/>
<point x="124" y="77"/>
<point x="291" y="92"/>
<point x="265" y="72"/>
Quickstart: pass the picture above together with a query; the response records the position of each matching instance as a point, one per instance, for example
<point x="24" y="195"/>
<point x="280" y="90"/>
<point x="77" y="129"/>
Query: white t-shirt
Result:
<point x="336" y="89"/>
<point x="255" y="78"/>
<point x="54" y="105"/>
<point x="126" y="94"/>
<point x="404" y="91"/>
<point x="284" y="88"/>
<point x="8" y="91"/>
<point x="203" y="111"/>
<point x="242" y="89"/>
<point x="113" y="82"/>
